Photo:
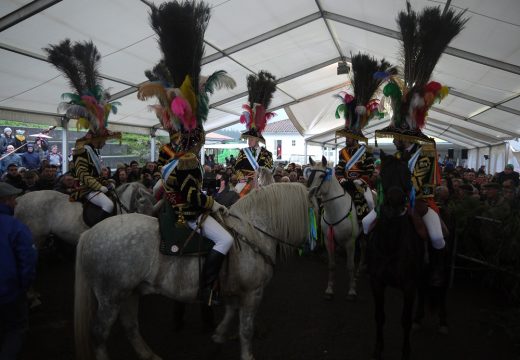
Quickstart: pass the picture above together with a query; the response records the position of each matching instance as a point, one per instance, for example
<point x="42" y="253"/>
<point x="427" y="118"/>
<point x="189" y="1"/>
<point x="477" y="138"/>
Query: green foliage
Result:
<point x="11" y="123"/>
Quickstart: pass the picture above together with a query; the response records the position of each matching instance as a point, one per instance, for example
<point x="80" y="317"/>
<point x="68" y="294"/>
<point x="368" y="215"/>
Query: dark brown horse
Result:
<point x="395" y="251"/>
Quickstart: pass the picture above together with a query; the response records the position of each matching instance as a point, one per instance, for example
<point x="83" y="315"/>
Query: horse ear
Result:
<point x="311" y="161"/>
<point x="324" y="161"/>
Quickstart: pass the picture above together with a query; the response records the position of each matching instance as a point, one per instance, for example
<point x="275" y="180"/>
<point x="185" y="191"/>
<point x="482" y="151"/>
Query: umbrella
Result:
<point x="40" y="135"/>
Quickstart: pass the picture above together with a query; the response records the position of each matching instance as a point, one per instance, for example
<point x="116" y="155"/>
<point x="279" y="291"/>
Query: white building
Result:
<point x="287" y="145"/>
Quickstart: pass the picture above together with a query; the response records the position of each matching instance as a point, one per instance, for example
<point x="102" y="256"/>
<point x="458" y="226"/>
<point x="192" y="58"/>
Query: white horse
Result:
<point x="339" y="221"/>
<point x="115" y="273"/>
<point x="49" y="212"/>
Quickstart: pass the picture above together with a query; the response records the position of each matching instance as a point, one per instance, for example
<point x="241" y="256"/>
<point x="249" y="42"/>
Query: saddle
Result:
<point x="177" y="239"/>
<point x="93" y="214"/>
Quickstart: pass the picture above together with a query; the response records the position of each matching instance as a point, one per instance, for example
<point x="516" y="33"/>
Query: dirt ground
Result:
<point x="294" y="321"/>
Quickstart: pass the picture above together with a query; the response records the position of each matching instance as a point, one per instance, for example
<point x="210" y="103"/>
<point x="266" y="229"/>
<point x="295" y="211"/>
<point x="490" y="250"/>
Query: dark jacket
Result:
<point x="17" y="257"/>
<point x="16" y="181"/>
<point x="31" y="160"/>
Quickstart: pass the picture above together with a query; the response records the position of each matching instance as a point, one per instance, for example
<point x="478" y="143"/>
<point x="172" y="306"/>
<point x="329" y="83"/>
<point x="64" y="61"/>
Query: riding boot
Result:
<point x="210" y="273"/>
<point x="437" y="265"/>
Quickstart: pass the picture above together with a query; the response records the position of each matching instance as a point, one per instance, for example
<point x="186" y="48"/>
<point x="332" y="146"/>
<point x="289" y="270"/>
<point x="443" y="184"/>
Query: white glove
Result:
<point x="219" y="207"/>
<point x="103" y="189"/>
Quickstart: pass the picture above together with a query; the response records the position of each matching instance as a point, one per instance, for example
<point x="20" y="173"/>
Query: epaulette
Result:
<point x="188" y="161"/>
<point x="79" y="151"/>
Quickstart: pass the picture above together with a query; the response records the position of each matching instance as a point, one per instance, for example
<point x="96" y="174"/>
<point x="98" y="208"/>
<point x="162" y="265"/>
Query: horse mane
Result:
<point x="280" y="209"/>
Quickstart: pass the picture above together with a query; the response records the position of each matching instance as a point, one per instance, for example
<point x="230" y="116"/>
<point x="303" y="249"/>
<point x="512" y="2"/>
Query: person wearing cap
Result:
<point x="30" y="159"/>
<point x="491" y="194"/>
<point x="261" y="88"/>
<point x="18" y="258"/>
<point x="509" y="173"/>
<point x="358" y="108"/>
<point x="91" y="107"/>
<point x="183" y="95"/>
<point x="6" y="138"/>
<point x="411" y="97"/>
<point x="8" y="158"/>
<point x="20" y="141"/>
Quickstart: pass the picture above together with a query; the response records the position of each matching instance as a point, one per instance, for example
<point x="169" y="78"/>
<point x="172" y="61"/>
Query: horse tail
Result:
<point x="83" y="303"/>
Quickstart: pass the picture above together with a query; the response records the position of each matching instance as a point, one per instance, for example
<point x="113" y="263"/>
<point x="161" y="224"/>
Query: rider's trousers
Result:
<point x="101" y="200"/>
<point x="431" y="221"/>
<point x="215" y="232"/>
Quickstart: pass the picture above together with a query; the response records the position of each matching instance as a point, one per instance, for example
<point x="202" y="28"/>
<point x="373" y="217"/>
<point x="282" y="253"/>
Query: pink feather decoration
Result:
<point x="348" y="98"/>
<point x="182" y="110"/>
<point x="99" y="110"/>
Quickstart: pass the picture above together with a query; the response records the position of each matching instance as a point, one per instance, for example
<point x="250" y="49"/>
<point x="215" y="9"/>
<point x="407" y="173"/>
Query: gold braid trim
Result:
<point x="188" y="162"/>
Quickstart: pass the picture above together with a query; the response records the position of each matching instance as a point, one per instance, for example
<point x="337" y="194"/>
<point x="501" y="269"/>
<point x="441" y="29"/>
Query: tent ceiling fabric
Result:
<point x="299" y="41"/>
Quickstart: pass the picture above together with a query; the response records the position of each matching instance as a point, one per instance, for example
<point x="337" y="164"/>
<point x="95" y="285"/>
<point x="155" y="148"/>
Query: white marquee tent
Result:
<point x="299" y="41"/>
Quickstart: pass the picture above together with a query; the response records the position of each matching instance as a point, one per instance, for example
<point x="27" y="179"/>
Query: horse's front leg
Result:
<point x="223" y="327"/>
<point x="406" y="320"/>
<point x="378" y="290"/>
<point x="248" y="308"/>
<point x="328" y="235"/>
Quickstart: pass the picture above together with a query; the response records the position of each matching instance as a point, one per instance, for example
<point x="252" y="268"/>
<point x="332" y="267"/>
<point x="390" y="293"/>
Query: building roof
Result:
<point x="283" y="126"/>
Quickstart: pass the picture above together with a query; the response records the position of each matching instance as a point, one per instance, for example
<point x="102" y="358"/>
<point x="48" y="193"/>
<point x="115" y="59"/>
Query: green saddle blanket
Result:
<point x="177" y="238"/>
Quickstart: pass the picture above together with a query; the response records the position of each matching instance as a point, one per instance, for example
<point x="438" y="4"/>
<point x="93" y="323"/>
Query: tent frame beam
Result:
<point x="25" y="12"/>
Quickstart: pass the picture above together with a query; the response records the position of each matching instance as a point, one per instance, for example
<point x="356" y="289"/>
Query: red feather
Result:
<point x="432" y="87"/>
<point x="260" y="120"/>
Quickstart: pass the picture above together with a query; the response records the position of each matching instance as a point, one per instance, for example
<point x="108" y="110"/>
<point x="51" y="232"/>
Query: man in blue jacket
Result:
<point x="17" y="271"/>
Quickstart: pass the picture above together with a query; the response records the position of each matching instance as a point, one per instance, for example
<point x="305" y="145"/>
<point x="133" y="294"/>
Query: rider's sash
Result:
<point x="251" y="158"/>
<point x="95" y="158"/>
<point x="168" y="168"/>
<point x="356" y="157"/>
<point x="413" y="159"/>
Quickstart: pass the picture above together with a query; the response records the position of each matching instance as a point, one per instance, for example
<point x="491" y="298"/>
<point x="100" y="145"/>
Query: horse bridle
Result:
<point x="327" y="177"/>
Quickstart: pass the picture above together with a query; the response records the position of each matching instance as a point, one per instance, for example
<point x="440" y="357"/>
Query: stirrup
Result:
<point x="209" y="297"/>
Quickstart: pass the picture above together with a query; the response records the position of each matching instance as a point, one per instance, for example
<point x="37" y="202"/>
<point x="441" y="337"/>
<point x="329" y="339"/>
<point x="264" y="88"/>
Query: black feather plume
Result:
<point x="181" y="27"/>
<point x="424" y="39"/>
<point x="364" y="83"/>
<point x="88" y="58"/>
<point x="261" y="88"/>
<point x="63" y="59"/>
<point x="160" y="73"/>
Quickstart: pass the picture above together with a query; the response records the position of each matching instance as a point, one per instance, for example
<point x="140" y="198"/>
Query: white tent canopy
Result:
<point x="299" y="41"/>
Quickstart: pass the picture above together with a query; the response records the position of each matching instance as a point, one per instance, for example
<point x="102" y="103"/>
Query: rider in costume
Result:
<point x="255" y="116"/>
<point x="410" y="100"/>
<point x="183" y="96"/>
<point x="356" y="163"/>
<point x="88" y="104"/>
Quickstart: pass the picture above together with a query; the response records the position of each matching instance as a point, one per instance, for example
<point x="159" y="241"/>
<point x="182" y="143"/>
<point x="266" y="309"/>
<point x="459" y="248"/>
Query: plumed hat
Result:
<point x="261" y="88"/>
<point x="183" y="94"/>
<point x="425" y="36"/>
<point x="360" y="107"/>
<point x="89" y="103"/>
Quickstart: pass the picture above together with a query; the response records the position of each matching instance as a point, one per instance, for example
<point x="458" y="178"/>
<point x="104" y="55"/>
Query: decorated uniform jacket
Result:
<point x="424" y="174"/>
<point x="86" y="170"/>
<point x="363" y="168"/>
<point x="244" y="168"/>
<point x="166" y="153"/>
<point x="184" y="187"/>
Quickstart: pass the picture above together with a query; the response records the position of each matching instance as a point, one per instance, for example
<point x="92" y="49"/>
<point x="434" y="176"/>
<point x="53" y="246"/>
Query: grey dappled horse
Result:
<point x="113" y="274"/>
<point x="339" y="221"/>
<point x="49" y="212"/>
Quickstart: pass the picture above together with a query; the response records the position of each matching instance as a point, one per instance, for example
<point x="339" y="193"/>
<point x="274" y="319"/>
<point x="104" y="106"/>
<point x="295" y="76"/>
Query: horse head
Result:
<point x="319" y="177"/>
<point x="396" y="181"/>
<point x="264" y="176"/>
<point x="136" y="198"/>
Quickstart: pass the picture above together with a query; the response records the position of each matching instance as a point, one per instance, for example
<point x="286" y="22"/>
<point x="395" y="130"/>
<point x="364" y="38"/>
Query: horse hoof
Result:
<point x="328" y="296"/>
<point x="443" y="329"/>
<point x="351" y="297"/>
